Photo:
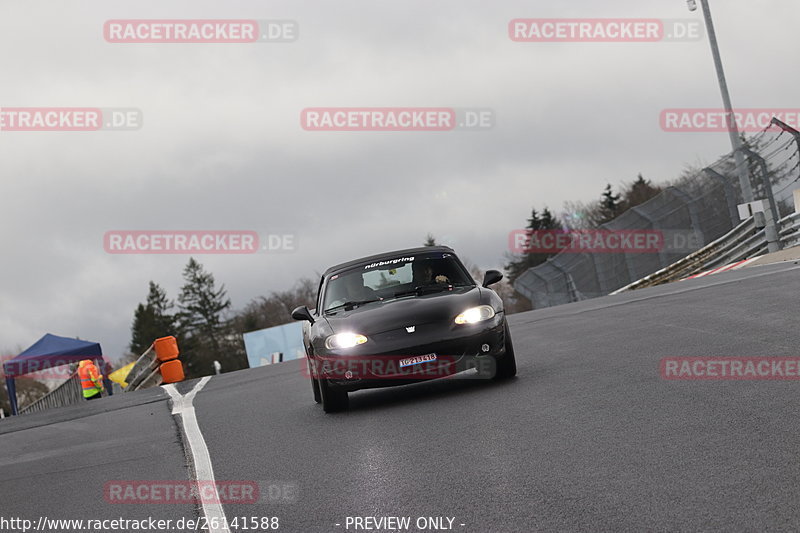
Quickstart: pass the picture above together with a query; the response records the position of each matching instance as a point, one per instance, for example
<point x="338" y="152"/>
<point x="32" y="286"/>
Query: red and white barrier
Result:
<point x="726" y="268"/>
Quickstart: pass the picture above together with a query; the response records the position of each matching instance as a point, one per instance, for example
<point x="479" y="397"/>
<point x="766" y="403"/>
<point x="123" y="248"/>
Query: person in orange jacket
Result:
<point x="91" y="380"/>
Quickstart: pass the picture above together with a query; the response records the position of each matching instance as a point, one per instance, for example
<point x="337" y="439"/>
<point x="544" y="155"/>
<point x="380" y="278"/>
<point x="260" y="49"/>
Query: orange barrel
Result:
<point x="171" y="371"/>
<point x="166" y="348"/>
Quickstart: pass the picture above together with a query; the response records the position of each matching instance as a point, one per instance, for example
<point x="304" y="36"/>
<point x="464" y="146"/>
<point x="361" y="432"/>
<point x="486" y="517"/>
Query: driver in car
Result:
<point x="424" y="274"/>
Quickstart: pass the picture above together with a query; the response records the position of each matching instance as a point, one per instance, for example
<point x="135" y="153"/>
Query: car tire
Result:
<point x="332" y="400"/>
<point x="506" y="366"/>
<point x="314" y="385"/>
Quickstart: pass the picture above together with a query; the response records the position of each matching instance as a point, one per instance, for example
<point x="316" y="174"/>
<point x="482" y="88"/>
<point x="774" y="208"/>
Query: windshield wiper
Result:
<point x="422" y="289"/>
<point x="351" y="304"/>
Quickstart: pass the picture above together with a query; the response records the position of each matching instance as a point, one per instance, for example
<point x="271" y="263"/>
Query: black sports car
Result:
<point x="402" y="317"/>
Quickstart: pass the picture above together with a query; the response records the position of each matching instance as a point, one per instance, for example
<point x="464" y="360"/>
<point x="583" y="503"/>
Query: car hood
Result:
<point x="384" y="316"/>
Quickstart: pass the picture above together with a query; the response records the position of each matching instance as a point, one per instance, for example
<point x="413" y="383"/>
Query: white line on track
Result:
<point x="182" y="405"/>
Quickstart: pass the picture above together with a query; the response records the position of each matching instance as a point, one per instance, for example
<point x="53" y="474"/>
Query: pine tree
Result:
<point x="549" y="221"/>
<point x="610" y="206"/>
<point x="152" y="320"/>
<point x="142" y="329"/>
<point x="201" y="305"/>
<point x="519" y="263"/>
<point x="639" y="192"/>
<point x="534" y="223"/>
<point x="200" y="302"/>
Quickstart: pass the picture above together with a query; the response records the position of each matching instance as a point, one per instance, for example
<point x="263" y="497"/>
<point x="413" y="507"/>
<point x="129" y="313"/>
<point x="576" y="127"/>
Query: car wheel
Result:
<point x="332" y="400"/>
<point x="507" y="363"/>
<point x="314" y="385"/>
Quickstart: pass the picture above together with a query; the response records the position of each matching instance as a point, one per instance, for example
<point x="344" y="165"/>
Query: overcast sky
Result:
<point x="222" y="147"/>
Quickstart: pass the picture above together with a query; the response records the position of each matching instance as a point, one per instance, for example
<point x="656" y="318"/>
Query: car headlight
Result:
<point x="476" y="314"/>
<point x="344" y="340"/>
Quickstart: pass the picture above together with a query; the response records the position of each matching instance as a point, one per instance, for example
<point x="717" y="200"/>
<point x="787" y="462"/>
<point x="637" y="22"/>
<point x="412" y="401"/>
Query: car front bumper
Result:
<point x="462" y="348"/>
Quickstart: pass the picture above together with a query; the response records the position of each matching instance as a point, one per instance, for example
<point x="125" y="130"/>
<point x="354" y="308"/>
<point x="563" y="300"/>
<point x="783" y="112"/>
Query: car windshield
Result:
<point x="394" y="278"/>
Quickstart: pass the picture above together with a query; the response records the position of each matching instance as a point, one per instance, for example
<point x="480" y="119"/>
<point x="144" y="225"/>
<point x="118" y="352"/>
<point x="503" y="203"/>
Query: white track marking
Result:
<point x="182" y="405"/>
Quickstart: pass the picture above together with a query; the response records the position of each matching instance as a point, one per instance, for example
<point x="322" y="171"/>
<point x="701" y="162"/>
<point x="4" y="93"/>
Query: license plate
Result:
<point x="416" y="360"/>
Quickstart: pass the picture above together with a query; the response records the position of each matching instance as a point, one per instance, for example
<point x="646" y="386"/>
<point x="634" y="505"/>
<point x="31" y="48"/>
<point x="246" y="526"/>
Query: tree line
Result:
<point x="202" y="321"/>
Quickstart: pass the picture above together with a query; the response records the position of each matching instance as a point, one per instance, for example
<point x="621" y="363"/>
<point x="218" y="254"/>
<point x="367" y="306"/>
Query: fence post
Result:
<point x="762" y="165"/>
<point x="662" y="254"/>
<point x="730" y="194"/>
<point x="771" y="227"/>
<point x="570" y="284"/>
<point x="602" y="286"/>
<point x="788" y="129"/>
<point x="625" y="258"/>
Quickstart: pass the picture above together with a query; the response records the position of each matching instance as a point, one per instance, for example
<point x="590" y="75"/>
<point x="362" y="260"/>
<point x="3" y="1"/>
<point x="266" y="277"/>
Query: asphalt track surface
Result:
<point x="588" y="437"/>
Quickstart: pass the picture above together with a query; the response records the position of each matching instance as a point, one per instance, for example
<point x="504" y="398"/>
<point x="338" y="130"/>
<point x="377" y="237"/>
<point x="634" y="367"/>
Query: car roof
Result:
<point x="387" y="255"/>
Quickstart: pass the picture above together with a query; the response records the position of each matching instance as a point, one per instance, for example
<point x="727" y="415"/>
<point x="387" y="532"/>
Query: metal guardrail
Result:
<point x="742" y="242"/>
<point x="693" y="262"/>
<point x="141" y="375"/>
<point x="789" y="230"/>
<point x="67" y="393"/>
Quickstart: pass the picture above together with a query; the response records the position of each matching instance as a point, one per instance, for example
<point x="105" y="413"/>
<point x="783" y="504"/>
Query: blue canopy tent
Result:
<point x="51" y="351"/>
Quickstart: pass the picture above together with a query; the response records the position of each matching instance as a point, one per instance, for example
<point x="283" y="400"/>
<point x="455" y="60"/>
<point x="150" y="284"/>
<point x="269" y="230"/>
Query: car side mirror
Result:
<point x="302" y="313"/>
<point x="491" y="276"/>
